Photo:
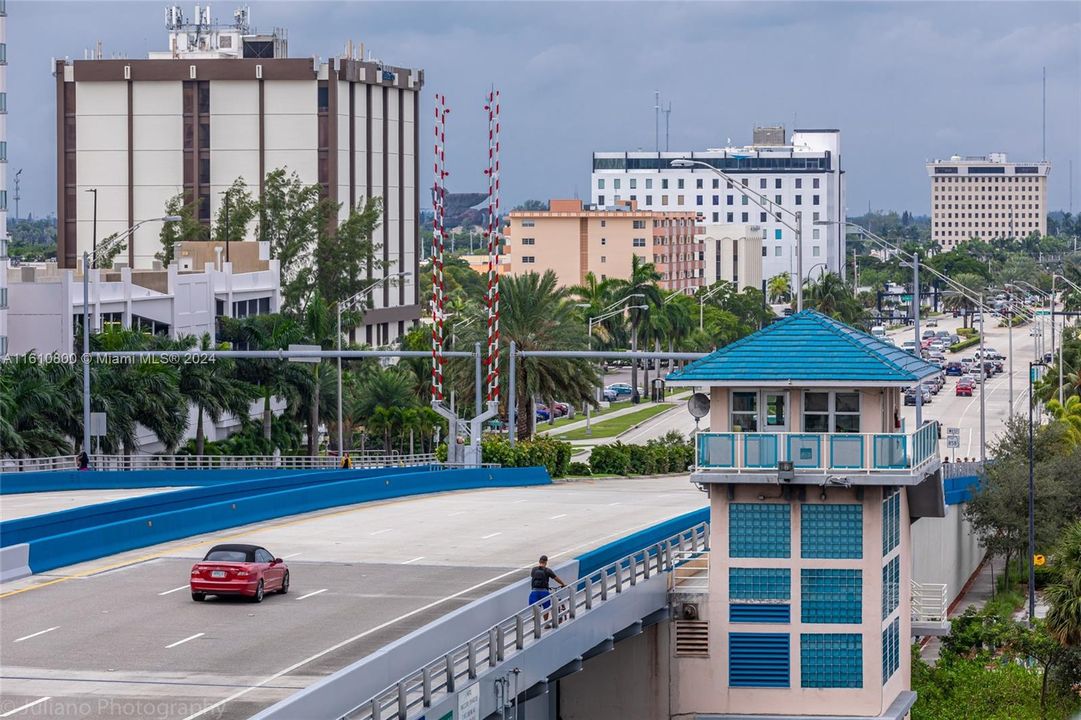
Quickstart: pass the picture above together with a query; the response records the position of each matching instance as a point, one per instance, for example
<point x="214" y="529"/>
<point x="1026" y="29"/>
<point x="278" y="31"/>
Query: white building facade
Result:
<point x="801" y="174"/>
<point x="225" y="103"/>
<point x="3" y="180"/>
<point x="47" y="302"/>
<point x="733" y="253"/>
<point x="987" y="197"/>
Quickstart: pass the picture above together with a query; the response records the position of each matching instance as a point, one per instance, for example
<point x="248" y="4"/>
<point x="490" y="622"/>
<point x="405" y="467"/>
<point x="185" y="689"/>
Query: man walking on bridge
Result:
<point x="539" y="576"/>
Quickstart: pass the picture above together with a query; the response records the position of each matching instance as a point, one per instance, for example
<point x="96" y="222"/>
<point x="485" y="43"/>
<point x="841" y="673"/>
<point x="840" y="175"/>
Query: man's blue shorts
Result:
<point x="540" y="595"/>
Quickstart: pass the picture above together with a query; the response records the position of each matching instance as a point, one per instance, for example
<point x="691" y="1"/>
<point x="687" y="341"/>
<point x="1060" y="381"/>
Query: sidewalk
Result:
<point x="979" y="591"/>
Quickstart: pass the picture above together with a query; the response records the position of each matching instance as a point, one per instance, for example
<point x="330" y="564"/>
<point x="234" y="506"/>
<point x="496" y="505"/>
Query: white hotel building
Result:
<point x="225" y="102"/>
<point x="801" y="174"/>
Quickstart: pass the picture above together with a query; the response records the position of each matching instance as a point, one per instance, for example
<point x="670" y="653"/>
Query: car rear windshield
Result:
<point x="228" y="556"/>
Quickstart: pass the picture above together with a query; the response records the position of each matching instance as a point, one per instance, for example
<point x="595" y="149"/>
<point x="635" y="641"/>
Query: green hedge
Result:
<point x="966" y="332"/>
<point x="965" y="344"/>
<point x="555" y="455"/>
<point x="657" y="457"/>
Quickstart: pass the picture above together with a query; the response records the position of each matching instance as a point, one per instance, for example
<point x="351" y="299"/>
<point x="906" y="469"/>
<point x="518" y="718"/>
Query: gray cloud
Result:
<point x="905" y="81"/>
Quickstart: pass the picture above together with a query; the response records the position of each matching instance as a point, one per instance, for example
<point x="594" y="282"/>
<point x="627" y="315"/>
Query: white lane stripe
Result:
<point x="460" y="512"/>
<point x="312" y="593"/>
<point x="380" y="532"/>
<point x="612" y="504"/>
<point x="39" y="632"/>
<point x="515" y="502"/>
<point x="491" y="536"/>
<point x="28" y="705"/>
<point x="556" y="517"/>
<point x="181" y="642"/>
<point x="413" y="560"/>
<point x="182" y="587"/>
<point x="291" y="555"/>
<point x="593" y="542"/>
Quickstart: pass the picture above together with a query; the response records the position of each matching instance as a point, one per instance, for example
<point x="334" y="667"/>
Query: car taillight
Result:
<point x="195" y="571"/>
<point x="242" y="573"/>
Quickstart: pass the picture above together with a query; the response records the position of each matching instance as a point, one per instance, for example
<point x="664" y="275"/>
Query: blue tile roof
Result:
<point x="807" y="347"/>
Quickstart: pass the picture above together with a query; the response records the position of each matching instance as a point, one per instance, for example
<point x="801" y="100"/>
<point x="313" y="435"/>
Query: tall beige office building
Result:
<point x="986" y="197"/>
<point x="222" y="102"/>
<point x="573" y="240"/>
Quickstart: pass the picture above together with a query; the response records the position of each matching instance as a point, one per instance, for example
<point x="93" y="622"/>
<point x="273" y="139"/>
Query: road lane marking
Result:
<point x="181" y="642"/>
<point x="516" y="502"/>
<point x="413" y="560"/>
<point x="593" y="542"/>
<point x="380" y="532"/>
<point x="491" y="536"/>
<point x="291" y="555"/>
<point x="460" y="512"/>
<point x="312" y="593"/>
<point x="613" y="504"/>
<point x="34" y="635"/>
<point x="182" y="587"/>
<point x="27" y="706"/>
<point x="556" y="517"/>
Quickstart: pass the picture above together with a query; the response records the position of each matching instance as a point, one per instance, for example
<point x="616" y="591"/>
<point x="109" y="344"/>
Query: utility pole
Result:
<point x="94" y="231"/>
<point x="916" y="328"/>
<point x="667" y="118"/>
<point x="657" y="119"/>
<point x="228" y="230"/>
<point x="86" y="352"/>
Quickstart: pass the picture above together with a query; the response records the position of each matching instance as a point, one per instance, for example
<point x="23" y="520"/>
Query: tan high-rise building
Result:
<point x="986" y="197"/>
<point x="573" y="240"/>
<point x="226" y="102"/>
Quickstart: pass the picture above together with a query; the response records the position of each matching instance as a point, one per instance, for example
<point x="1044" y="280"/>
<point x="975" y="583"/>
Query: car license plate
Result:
<point x="217" y="574"/>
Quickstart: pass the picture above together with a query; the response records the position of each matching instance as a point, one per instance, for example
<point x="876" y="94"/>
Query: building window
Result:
<point x="814" y="199"/>
<point x="758" y="659"/>
<point x="777" y="183"/>
<point x="777" y="251"/>
<point x="528" y="259"/>
<point x="759" y="584"/>
<point x="815" y="234"/>
<point x="744" y="216"/>
<point x="799" y="183"/>
<point x="716" y="217"/>
<point x="815" y="251"/>
<point x="634" y="183"/>
<point x="600" y="183"/>
<point x="831" y="660"/>
<point x="716" y="183"/>
<point x="764" y="251"/>
<point x="679" y="184"/>
<point x="649" y="183"/>
<point x="679" y="199"/>
<point x="529" y="241"/>
<point x="600" y="199"/>
<point x="743" y="200"/>
<point x="730" y="199"/>
<point x="3" y="54"/>
<point x="664" y="183"/>
<point x="638" y="242"/>
<point x="759" y="530"/>
<point x="3" y="102"/>
<point x="729" y="217"/>
<point x="891" y="586"/>
<point x="649" y="199"/>
<point x="777" y="234"/>
<point x="698" y="184"/>
<point x="831" y="412"/>
<point x="528" y="223"/>
<point x="761" y="217"/>
<point x="615" y="184"/>
<point x="833" y="530"/>
<point x="815" y="217"/>
<point x="639" y="224"/>
<point x="3" y="151"/>
<point x="744" y="411"/>
<point x="604" y="258"/>
<point x="830" y="596"/>
<point x="799" y="199"/>
<point x="891" y="650"/>
<point x="891" y="521"/>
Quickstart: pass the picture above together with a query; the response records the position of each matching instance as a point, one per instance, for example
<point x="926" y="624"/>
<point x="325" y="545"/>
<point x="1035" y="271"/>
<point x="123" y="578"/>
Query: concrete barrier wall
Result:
<point x="14" y="562"/>
<point x="60" y="480"/>
<point x="149" y="529"/>
<point x="944" y="550"/>
<point x="31" y="528"/>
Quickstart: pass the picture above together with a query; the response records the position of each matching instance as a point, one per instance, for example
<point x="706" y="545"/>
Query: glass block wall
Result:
<point x="891" y="586"/>
<point x="831" y="660"/>
<point x="831" y="531"/>
<point x="891" y="649"/>
<point x="759" y="530"/>
<point x="759" y="583"/>
<point x="831" y="596"/>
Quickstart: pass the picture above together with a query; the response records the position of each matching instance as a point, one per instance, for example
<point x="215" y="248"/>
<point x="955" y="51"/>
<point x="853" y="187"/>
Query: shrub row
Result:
<point x="964" y="344"/>
<point x="555" y="455"/>
<point x="667" y="455"/>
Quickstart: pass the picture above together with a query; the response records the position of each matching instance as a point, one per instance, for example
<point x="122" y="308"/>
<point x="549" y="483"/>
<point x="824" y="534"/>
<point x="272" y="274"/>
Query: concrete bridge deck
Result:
<point x="120" y="637"/>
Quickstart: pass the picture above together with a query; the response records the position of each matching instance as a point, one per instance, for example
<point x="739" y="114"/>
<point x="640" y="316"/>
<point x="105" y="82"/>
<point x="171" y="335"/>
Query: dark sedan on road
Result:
<point x="233" y="569"/>
<point x="955" y="368"/>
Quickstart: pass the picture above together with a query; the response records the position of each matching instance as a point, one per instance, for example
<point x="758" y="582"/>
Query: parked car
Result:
<point x="542" y="412"/>
<point x="562" y="409"/>
<point x="955" y="368"/>
<point x="234" y="569"/>
<point x="618" y="391"/>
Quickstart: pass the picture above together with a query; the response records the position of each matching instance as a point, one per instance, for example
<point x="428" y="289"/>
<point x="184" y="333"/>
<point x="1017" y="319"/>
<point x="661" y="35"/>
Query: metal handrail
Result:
<point x="929" y="602"/>
<point x="421" y="688"/>
<point x="210" y="462"/>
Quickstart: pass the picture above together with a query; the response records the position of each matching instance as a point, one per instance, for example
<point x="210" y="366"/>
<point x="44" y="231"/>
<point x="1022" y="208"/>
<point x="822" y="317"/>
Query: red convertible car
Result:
<point x="247" y="570"/>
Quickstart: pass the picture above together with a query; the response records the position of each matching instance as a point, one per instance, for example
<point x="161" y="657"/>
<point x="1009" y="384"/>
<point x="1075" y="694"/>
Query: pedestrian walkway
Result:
<point x="979" y="591"/>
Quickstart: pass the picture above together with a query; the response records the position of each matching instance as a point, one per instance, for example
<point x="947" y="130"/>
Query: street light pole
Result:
<point x="983" y="392"/>
<point x="94" y="231"/>
<point x="1031" y="500"/>
<point x="799" y="262"/>
<point x="86" y="353"/>
<point x="916" y="330"/>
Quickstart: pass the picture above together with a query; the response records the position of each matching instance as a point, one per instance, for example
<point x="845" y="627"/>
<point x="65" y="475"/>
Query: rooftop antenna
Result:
<point x="667" y="117"/>
<point x="1045" y="113"/>
<point x="657" y="119"/>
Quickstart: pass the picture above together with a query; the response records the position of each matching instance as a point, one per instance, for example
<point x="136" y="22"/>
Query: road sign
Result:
<point x="1038" y="560"/>
<point x="953" y="431"/>
<point x="304" y="359"/>
<point x="469" y="702"/>
<point x="1043" y="312"/>
<point x="97" y="424"/>
<point x="953" y="441"/>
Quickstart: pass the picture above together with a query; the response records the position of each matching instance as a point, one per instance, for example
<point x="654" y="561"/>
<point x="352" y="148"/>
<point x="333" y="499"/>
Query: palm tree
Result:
<point x="319" y="329"/>
<point x="214" y="389"/>
<point x="642" y="281"/>
<point x="830" y="296"/>
<point x="779" y="288"/>
<point x="596" y="296"/>
<point x="1068" y="413"/>
<point x="34" y="409"/>
<point x="957" y="301"/>
<point x="537" y="314"/>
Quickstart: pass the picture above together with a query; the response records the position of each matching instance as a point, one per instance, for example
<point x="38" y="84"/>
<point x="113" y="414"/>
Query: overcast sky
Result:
<point x="905" y="81"/>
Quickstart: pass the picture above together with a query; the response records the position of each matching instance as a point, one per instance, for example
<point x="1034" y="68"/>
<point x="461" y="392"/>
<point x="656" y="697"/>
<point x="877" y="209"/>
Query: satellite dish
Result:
<point x="698" y="405"/>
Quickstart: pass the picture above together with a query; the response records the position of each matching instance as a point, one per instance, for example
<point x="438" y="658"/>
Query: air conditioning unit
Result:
<point x="786" y="470"/>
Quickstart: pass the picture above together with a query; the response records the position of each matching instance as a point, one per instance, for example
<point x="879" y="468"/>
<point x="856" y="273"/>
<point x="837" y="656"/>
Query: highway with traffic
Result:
<point x="121" y="637"/>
